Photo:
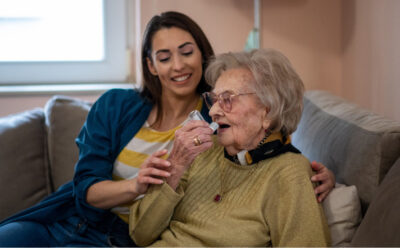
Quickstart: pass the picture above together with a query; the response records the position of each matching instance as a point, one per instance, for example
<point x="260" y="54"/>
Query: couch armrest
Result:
<point x="381" y="223"/>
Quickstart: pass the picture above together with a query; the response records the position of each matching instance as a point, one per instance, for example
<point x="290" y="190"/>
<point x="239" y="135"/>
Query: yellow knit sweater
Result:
<point x="270" y="203"/>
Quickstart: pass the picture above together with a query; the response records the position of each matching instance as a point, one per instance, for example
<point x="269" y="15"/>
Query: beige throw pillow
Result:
<point x="64" y="119"/>
<point x="343" y="213"/>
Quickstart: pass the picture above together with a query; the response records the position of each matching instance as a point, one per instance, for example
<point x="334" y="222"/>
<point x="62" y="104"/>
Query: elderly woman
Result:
<point x="252" y="188"/>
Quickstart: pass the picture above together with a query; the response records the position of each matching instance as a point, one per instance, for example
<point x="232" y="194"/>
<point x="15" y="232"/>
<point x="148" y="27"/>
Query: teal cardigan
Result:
<point x="112" y="122"/>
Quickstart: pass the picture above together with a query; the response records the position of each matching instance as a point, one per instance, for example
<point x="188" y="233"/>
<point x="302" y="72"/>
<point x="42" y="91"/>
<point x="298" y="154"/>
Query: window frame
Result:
<point x="113" y="69"/>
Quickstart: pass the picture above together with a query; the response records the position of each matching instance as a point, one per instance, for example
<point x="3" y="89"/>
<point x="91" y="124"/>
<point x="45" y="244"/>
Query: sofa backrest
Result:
<point x="24" y="175"/>
<point x="38" y="152"/>
<point x="357" y="145"/>
<point x="64" y="119"/>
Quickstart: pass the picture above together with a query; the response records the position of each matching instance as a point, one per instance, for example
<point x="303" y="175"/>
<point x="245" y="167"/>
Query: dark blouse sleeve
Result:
<point x="99" y="144"/>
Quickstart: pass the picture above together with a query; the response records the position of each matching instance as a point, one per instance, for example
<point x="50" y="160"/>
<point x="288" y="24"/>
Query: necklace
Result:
<point x="223" y="190"/>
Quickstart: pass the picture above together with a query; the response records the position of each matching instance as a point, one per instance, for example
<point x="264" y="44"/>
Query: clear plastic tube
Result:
<point x="196" y="115"/>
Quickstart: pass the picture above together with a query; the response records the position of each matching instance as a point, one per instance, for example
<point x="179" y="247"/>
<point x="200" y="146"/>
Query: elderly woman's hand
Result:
<point x="326" y="179"/>
<point x="190" y="140"/>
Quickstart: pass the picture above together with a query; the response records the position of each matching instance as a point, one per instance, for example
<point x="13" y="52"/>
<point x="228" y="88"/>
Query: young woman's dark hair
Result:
<point x="151" y="84"/>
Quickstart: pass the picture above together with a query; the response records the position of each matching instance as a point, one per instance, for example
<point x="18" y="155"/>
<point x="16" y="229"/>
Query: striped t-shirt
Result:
<point x="146" y="142"/>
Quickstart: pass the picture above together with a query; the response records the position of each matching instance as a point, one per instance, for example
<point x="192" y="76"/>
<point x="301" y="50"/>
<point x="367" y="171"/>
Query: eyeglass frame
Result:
<point x="221" y="100"/>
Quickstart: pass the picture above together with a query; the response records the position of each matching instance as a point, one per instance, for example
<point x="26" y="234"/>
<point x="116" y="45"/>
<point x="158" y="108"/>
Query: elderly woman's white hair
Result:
<point x="277" y="84"/>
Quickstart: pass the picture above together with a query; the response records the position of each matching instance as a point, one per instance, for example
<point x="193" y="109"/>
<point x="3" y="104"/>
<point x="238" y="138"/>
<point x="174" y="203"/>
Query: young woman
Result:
<point x="124" y="145"/>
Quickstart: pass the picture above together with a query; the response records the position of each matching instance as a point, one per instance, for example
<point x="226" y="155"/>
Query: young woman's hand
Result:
<point x="325" y="177"/>
<point x="192" y="139"/>
<point x="152" y="171"/>
<point x="108" y="194"/>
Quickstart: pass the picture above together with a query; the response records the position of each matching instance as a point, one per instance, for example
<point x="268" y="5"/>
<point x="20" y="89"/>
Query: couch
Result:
<point x="38" y="154"/>
<point x="363" y="150"/>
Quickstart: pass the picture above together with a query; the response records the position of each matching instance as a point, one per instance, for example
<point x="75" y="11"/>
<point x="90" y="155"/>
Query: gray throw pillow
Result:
<point x="24" y="177"/>
<point x="357" y="145"/>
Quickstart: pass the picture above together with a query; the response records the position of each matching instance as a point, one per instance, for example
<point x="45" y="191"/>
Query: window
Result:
<point x="62" y="41"/>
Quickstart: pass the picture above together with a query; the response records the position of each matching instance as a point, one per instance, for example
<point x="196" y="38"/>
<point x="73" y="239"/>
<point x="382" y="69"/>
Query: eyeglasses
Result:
<point x="224" y="99"/>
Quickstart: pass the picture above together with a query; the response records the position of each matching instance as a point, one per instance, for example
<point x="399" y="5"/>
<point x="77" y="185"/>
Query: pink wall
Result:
<point x="16" y="104"/>
<point x="371" y="55"/>
<point x="308" y="32"/>
<point x="225" y="22"/>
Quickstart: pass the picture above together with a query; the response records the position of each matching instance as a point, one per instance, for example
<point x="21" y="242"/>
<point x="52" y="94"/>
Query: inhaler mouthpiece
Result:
<point x="214" y="126"/>
<point x="196" y="115"/>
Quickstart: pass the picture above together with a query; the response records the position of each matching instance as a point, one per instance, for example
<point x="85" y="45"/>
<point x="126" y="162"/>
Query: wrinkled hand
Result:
<point x="185" y="151"/>
<point x="153" y="169"/>
<point x="325" y="177"/>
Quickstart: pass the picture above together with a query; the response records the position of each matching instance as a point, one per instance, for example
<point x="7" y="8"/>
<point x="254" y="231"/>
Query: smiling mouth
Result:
<point x="181" y="78"/>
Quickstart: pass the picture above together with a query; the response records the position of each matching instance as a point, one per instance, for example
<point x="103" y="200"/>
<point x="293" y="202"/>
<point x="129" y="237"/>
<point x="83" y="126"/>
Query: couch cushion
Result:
<point x="380" y="226"/>
<point x="343" y="214"/>
<point x="24" y="178"/>
<point x="64" y="119"/>
<point x="357" y="145"/>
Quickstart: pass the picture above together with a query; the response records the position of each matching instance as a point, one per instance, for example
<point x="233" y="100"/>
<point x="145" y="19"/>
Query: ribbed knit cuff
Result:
<point x="170" y="194"/>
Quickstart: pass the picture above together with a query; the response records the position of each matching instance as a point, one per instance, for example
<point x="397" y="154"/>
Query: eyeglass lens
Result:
<point x="224" y="100"/>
